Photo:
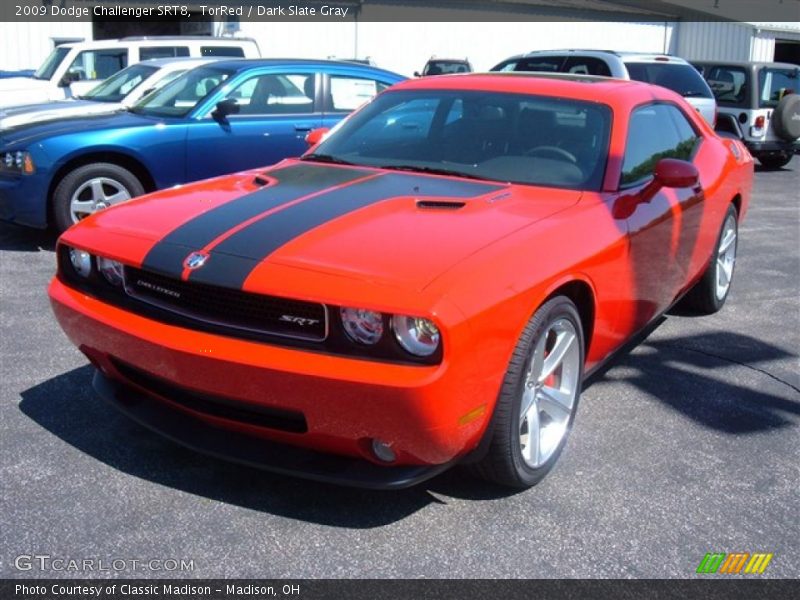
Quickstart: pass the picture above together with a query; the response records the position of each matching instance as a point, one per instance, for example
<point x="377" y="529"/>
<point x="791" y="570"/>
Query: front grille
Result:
<point x="215" y="406"/>
<point x="223" y="307"/>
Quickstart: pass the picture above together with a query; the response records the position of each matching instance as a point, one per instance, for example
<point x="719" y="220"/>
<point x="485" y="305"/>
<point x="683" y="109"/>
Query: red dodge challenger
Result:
<point x="429" y="285"/>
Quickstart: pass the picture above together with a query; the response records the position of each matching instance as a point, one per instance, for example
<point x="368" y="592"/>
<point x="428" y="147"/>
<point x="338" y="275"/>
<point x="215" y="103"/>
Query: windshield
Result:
<point x="180" y="96"/>
<point x="120" y="85"/>
<point x="680" y="78"/>
<point x="485" y="135"/>
<point x="51" y="63"/>
<point x="774" y="84"/>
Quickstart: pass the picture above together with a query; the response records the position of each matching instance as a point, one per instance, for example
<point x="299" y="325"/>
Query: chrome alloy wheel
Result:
<point x="549" y="392"/>
<point x="96" y="194"/>
<point x="726" y="257"/>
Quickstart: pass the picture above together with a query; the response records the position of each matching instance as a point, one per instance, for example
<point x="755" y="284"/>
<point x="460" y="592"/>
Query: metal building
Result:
<point x="486" y="32"/>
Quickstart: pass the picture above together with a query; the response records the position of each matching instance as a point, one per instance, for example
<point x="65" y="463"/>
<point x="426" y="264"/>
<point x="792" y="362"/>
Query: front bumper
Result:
<point x="431" y="416"/>
<point x="23" y="200"/>
<point x="256" y="452"/>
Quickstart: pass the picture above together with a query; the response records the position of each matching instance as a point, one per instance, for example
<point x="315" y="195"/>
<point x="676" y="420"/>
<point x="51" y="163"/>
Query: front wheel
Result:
<point x="90" y="188"/>
<point x="709" y="294"/>
<point x="538" y="399"/>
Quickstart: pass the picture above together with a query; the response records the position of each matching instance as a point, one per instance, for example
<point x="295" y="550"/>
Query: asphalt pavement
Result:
<point x="687" y="445"/>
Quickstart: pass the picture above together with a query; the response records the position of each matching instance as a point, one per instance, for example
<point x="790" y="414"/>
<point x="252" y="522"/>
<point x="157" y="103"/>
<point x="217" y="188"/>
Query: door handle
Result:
<point x="301" y="128"/>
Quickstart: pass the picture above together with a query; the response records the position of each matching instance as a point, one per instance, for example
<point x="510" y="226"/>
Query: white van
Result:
<point x="73" y="69"/>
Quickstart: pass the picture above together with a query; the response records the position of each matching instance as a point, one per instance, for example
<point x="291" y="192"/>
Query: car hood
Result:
<point x="19" y="90"/>
<point x="15" y="84"/>
<point x="384" y="227"/>
<point x="47" y="111"/>
<point x="27" y="134"/>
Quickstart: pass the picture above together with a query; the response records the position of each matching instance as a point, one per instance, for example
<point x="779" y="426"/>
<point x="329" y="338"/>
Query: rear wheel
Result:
<point x="539" y="398"/>
<point x="775" y="161"/>
<point x="709" y="294"/>
<point x="90" y="188"/>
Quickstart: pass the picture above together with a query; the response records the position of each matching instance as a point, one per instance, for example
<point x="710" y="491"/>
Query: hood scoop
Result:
<point x="440" y="204"/>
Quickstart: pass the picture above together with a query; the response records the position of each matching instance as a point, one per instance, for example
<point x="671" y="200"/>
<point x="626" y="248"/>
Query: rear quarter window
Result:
<point x="151" y="52"/>
<point x="681" y="78"/>
<point x="729" y="84"/>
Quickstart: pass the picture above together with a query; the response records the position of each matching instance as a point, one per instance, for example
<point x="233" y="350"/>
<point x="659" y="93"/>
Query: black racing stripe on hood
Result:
<point x="255" y="242"/>
<point x="294" y="181"/>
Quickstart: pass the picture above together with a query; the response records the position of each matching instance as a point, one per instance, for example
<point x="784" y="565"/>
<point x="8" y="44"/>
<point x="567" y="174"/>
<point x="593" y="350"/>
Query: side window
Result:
<point x="774" y="84"/>
<point x="98" y="64"/>
<point x="276" y="94"/>
<point x="655" y="131"/>
<point x="729" y="84"/>
<point x="550" y="64"/>
<point x="509" y="65"/>
<point x="587" y="65"/>
<point x="234" y="51"/>
<point x="348" y="93"/>
<point x="151" y="52"/>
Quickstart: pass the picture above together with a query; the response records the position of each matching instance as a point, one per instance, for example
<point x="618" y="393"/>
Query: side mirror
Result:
<point x="417" y="74"/>
<point x="68" y="78"/>
<point x="674" y="173"/>
<point x="668" y="173"/>
<point x="224" y="108"/>
<point x="315" y="136"/>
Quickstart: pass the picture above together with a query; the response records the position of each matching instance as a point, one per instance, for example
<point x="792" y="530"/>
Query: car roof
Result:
<point x="180" y="61"/>
<point x="578" y="87"/>
<point x="746" y="63"/>
<point x="155" y="40"/>
<point x="240" y="64"/>
<point x="623" y="56"/>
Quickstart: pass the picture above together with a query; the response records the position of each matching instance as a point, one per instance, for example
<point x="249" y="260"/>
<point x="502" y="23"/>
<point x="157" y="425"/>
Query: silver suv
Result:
<point x="759" y="104"/>
<point x="660" y="69"/>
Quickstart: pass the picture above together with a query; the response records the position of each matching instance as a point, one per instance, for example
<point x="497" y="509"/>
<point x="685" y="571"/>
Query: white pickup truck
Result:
<point x="73" y="69"/>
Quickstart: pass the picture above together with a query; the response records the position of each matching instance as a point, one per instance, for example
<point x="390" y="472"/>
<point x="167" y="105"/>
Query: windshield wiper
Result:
<point x="326" y="158"/>
<point x="433" y="171"/>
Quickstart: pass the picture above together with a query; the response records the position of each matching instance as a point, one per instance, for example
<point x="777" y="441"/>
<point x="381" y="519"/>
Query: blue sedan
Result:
<point x="218" y="118"/>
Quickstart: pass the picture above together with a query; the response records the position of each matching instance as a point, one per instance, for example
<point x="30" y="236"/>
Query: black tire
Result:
<point x="703" y="299"/>
<point x="72" y="182"/>
<point x="503" y="462"/>
<point x="775" y="161"/>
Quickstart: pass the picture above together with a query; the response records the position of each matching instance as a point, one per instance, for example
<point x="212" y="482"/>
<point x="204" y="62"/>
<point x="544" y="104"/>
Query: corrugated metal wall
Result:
<point x="713" y="41"/>
<point x="25" y="45"/>
<point x="405" y="47"/>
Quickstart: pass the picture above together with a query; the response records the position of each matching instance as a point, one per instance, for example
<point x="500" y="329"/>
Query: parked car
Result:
<point x="118" y="92"/>
<point x="215" y="119"/>
<point x="667" y="71"/>
<point x="758" y="104"/>
<point x="444" y="66"/>
<point x="429" y="285"/>
<point x="74" y="69"/>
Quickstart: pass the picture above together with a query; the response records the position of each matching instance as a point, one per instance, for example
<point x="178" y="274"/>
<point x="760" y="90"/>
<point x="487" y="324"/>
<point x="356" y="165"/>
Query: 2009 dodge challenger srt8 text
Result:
<point x="429" y="285"/>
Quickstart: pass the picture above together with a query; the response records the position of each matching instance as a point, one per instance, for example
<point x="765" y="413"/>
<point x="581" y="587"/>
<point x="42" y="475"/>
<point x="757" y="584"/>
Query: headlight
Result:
<point x="111" y="270"/>
<point x="81" y="262"/>
<point x="17" y="162"/>
<point x="362" y="325"/>
<point x="416" y="335"/>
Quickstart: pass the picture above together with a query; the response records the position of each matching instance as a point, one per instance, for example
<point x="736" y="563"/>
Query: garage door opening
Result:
<point x="113" y="29"/>
<point x="787" y="51"/>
